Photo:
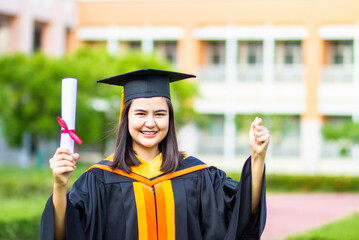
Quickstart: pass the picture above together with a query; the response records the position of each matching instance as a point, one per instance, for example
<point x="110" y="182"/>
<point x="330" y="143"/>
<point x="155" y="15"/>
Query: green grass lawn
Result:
<point x="344" y="229"/>
<point x="21" y="208"/>
<point x="20" y="217"/>
<point x="23" y="195"/>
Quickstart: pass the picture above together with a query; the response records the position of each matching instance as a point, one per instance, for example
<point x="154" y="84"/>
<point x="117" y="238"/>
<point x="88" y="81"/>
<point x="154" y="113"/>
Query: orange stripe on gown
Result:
<point x="150" y="212"/>
<point x="146" y="211"/>
<point x="165" y="210"/>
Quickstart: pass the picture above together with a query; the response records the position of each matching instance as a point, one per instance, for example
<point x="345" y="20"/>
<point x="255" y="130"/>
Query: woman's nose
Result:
<point x="149" y="122"/>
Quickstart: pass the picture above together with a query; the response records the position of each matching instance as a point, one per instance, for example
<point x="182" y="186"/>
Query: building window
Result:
<point x="167" y="50"/>
<point x="213" y="68"/>
<point x="289" y="53"/>
<point x="285" y="134"/>
<point x="288" y="62"/>
<point x="211" y="137"/>
<point x="134" y="45"/>
<point x="255" y="53"/>
<point x="216" y="50"/>
<point x="4" y="34"/>
<point x="339" y="61"/>
<point x="102" y="44"/>
<point x="250" y="60"/>
<point x="285" y="130"/>
<point x="341" y="52"/>
<point x="38" y="36"/>
<point x="333" y="144"/>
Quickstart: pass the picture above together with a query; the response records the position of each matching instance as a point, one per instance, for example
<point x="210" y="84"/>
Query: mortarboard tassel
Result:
<point x="122" y="104"/>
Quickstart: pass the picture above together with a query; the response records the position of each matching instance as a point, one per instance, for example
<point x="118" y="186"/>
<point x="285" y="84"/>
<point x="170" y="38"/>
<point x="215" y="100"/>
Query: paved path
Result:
<point x="289" y="214"/>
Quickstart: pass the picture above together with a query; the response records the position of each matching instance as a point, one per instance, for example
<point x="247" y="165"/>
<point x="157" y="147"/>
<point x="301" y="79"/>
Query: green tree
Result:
<point x="30" y="93"/>
<point x="28" y="97"/>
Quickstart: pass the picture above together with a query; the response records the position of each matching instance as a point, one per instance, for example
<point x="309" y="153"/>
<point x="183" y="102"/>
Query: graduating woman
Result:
<point x="148" y="189"/>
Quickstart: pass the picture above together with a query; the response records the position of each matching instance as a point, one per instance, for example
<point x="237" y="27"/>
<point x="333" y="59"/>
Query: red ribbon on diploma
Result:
<point x="72" y="133"/>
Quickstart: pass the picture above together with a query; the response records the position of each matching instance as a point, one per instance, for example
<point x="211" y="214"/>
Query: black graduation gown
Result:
<point x="194" y="202"/>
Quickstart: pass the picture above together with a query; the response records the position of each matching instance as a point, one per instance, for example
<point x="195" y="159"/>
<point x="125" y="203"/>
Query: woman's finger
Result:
<point x="259" y="128"/>
<point x="63" y="163"/>
<point x="258" y="121"/>
<point x="75" y="156"/>
<point x="260" y="133"/>
<point x="60" y="157"/>
<point x="265" y="137"/>
<point x="62" y="151"/>
<point x="62" y="170"/>
<point x="55" y="167"/>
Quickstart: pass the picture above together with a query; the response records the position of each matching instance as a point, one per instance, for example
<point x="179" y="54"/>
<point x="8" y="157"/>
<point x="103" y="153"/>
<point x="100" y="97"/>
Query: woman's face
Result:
<point x="148" y="122"/>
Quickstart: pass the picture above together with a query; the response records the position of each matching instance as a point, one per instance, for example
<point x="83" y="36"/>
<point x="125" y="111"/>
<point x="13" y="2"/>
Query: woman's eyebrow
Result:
<point x="142" y="110"/>
<point x="161" y="110"/>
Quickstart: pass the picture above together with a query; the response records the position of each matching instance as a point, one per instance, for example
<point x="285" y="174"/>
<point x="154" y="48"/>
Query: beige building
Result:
<point x="33" y="25"/>
<point x="295" y="60"/>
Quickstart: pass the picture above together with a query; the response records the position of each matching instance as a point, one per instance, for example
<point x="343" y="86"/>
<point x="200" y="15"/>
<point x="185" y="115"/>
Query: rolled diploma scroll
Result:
<point x="68" y="110"/>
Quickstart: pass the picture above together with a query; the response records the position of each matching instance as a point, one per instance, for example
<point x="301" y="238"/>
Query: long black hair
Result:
<point x="124" y="156"/>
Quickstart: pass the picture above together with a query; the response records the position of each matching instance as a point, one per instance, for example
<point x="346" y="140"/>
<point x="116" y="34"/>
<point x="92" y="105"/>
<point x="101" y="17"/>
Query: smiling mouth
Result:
<point x="148" y="133"/>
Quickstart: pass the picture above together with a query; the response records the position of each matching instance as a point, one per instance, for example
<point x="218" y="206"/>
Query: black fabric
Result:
<point x="208" y="205"/>
<point x="146" y="82"/>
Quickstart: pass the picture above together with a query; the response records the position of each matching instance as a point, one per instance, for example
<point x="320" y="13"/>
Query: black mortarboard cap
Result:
<point x="146" y="83"/>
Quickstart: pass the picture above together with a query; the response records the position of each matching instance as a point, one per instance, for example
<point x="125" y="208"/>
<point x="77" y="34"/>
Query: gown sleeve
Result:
<point x="83" y="200"/>
<point x="226" y="206"/>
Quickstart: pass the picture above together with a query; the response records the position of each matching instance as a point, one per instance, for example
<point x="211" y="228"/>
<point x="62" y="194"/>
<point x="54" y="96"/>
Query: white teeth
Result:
<point x="149" y="133"/>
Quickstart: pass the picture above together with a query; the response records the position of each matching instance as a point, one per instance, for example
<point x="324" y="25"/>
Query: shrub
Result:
<point x="301" y="183"/>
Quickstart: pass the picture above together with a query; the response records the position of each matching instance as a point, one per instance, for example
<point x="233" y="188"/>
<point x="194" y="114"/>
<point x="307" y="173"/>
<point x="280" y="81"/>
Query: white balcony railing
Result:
<point x="213" y="73"/>
<point x="210" y="144"/>
<point x="247" y="73"/>
<point x="289" y="73"/>
<point x="250" y="73"/>
<point x="337" y="73"/>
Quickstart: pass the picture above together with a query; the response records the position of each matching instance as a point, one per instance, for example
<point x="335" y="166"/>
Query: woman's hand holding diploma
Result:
<point x="62" y="164"/>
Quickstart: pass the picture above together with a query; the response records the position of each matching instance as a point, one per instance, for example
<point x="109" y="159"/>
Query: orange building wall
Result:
<point x="72" y="42"/>
<point x="204" y="12"/>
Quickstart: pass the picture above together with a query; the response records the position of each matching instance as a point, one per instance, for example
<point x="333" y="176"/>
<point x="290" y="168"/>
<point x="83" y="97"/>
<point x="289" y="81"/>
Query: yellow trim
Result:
<point x="141" y="211"/>
<point x="122" y="104"/>
<point x="146" y="180"/>
<point x="110" y="158"/>
<point x="170" y="209"/>
<point x="149" y="169"/>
